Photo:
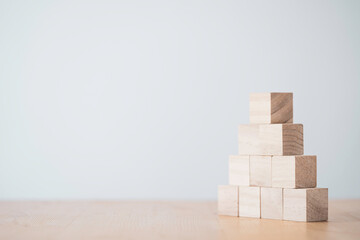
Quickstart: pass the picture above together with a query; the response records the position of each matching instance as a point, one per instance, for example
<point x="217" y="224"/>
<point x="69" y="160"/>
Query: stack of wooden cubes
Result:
<point x="271" y="178"/>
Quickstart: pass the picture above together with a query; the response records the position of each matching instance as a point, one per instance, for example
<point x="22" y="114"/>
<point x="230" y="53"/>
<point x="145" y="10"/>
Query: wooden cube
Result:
<point x="260" y="171"/>
<point x="271" y="203"/>
<point x="228" y="200"/>
<point x="293" y="171"/>
<point x="239" y="170"/>
<point x="249" y="202"/>
<point x="307" y="204"/>
<point x="271" y="108"/>
<point x="271" y="139"/>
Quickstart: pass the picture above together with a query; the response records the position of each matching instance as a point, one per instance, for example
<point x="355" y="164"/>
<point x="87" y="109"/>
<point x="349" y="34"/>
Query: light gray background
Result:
<point x="141" y="99"/>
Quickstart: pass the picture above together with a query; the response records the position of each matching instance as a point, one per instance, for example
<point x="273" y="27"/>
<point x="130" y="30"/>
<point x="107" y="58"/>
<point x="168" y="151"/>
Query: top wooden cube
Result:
<point x="271" y="108"/>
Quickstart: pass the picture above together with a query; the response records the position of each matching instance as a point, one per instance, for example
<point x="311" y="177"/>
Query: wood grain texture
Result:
<point x="316" y="204"/>
<point x="239" y="170"/>
<point x="293" y="171"/>
<point x="305" y="172"/>
<point x="271" y="139"/>
<point x="249" y="202"/>
<point x="98" y="220"/>
<point x="309" y="204"/>
<point x="281" y="107"/>
<point x="271" y="108"/>
<point x="271" y="203"/>
<point x="260" y="171"/>
<point x="293" y="139"/>
<point x="228" y="201"/>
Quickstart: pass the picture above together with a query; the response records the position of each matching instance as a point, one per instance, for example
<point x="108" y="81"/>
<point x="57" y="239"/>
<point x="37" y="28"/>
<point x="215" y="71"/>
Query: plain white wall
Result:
<point x="141" y="99"/>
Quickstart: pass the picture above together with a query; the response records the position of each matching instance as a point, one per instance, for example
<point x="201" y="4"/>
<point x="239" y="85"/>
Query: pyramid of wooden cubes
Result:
<point x="270" y="177"/>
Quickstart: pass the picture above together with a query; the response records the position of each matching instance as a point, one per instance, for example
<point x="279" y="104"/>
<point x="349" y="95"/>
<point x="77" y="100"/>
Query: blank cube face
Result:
<point x="271" y="108"/>
<point x="260" y="171"/>
<point x="271" y="203"/>
<point x="295" y="204"/>
<point x="239" y="170"/>
<point x="293" y="171"/>
<point x="228" y="203"/>
<point x="271" y="139"/>
<point x="249" y="140"/>
<point x="283" y="171"/>
<point x="308" y="205"/>
<point x="249" y="202"/>
<point x="260" y="108"/>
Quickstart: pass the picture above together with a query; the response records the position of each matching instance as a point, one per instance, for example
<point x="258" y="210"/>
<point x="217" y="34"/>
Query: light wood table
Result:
<point x="163" y="220"/>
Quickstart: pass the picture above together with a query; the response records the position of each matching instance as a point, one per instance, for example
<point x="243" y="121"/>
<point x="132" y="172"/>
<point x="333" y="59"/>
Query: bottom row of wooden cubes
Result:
<point x="304" y="204"/>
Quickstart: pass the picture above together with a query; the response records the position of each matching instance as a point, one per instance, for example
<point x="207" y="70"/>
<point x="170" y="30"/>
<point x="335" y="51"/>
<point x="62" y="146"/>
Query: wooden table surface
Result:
<point x="163" y="220"/>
